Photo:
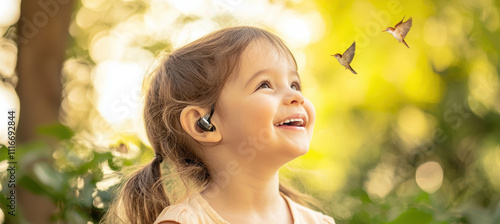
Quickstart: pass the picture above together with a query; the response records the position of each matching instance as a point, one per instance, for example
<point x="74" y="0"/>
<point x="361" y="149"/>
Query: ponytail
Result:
<point x="142" y="198"/>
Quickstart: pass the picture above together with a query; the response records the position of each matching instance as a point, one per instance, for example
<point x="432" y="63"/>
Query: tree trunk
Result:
<point x="42" y="32"/>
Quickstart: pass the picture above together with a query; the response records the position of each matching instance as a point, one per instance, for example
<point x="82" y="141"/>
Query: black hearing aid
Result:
<point x="204" y="122"/>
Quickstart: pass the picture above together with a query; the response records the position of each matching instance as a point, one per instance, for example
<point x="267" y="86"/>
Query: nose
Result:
<point x="293" y="97"/>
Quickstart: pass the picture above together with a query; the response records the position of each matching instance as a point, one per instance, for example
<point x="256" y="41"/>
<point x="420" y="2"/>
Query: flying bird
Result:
<point x="346" y="58"/>
<point x="400" y="30"/>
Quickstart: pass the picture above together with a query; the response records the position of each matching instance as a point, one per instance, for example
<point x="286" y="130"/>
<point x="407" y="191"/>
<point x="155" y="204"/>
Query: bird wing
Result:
<point x="403" y="28"/>
<point x="395" y="26"/>
<point x="349" y="53"/>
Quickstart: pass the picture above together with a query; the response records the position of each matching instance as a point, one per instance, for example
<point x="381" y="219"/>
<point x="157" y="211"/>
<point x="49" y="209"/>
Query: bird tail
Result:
<point x="404" y="42"/>
<point x="352" y="70"/>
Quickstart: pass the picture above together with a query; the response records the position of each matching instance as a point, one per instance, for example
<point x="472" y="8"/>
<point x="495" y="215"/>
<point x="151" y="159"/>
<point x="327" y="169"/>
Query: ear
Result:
<point x="189" y="121"/>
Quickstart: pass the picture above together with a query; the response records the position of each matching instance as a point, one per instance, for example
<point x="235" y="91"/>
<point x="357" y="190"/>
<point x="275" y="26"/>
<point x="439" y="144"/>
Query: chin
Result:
<point x="303" y="151"/>
<point x="286" y="153"/>
<point x="297" y="150"/>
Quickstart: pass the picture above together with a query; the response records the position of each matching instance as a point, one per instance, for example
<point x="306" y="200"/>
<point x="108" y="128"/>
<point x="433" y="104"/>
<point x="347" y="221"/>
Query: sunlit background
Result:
<point x="413" y="138"/>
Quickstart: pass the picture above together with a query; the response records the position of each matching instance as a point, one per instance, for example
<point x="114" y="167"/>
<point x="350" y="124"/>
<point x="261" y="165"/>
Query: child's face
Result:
<point x="264" y="93"/>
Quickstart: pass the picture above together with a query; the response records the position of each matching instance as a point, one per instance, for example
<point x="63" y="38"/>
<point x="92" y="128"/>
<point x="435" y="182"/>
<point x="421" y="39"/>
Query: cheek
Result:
<point x="250" y="115"/>
<point x="311" y="112"/>
<point x="260" y="111"/>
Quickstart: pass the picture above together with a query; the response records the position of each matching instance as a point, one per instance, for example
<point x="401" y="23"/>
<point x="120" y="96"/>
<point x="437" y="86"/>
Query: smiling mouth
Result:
<point x="295" y="122"/>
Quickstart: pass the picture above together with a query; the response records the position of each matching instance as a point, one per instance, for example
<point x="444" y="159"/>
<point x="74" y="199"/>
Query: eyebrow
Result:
<point x="260" y="72"/>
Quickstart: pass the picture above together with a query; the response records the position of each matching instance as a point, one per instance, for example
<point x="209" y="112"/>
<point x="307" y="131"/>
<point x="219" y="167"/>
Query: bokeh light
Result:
<point x="429" y="177"/>
<point x="491" y="165"/>
<point x="9" y="12"/>
<point x="8" y="101"/>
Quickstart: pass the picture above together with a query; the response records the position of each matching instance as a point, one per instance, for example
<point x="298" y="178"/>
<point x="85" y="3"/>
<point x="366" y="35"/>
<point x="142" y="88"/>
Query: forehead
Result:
<point x="262" y="54"/>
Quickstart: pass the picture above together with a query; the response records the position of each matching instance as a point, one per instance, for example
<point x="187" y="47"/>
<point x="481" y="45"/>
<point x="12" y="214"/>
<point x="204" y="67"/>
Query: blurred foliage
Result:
<point x="77" y="176"/>
<point x="414" y="138"/>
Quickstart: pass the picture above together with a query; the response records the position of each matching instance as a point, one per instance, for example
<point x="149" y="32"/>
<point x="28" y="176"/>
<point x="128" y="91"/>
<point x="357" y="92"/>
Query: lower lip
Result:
<point x="301" y="128"/>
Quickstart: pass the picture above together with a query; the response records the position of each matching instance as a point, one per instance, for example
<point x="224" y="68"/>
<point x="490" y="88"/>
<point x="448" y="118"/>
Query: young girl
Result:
<point x="226" y="112"/>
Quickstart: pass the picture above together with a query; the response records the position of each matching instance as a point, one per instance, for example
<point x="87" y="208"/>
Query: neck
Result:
<point x="247" y="196"/>
<point x="245" y="190"/>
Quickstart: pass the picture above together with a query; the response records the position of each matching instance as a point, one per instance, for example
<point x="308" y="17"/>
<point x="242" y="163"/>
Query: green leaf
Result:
<point x="362" y="195"/>
<point x="4" y="153"/>
<point x="48" y="176"/>
<point x="4" y="201"/>
<point x="98" y="159"/>
<point x="33" y="186"/>
<point x="413" y="216"/>
<point x="59" y="131"/>
<point x="113" y="164"/>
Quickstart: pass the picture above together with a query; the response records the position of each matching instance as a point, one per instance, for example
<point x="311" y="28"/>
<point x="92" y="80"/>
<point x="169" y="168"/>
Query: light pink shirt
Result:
<point x="196" y="210"/>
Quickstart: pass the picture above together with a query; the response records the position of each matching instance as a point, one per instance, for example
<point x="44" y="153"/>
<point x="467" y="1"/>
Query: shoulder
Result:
<point x="328" y="220"/>
<point x="312" y="216"/>
<point x="303" y="214"/>
<point x="179" y="213"/>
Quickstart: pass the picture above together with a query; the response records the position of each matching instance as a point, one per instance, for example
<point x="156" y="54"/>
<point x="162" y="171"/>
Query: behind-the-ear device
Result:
<point x="204" y="122"/>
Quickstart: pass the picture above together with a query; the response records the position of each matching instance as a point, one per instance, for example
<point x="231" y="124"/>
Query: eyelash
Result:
<point x="268" y="83"/>
<point x="297" y="86"/>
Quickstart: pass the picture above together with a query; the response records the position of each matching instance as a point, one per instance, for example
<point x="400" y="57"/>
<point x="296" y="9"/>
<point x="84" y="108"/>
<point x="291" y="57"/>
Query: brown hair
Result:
<point x="192" y="75"/>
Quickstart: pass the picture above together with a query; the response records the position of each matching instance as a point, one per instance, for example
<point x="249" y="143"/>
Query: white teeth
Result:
<point x="290" y="120"/>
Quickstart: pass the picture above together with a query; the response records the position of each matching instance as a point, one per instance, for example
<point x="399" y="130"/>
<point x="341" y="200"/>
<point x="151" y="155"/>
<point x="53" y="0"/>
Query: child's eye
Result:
<point x="295" y="86"/>
<point x="264" y="85"/>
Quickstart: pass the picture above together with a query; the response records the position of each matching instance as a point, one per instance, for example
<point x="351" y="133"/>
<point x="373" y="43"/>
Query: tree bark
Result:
<point x="42" y="37"/>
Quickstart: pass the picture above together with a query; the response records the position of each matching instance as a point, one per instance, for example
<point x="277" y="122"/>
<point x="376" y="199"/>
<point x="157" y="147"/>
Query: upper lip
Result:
<point x="294" y="117"/>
